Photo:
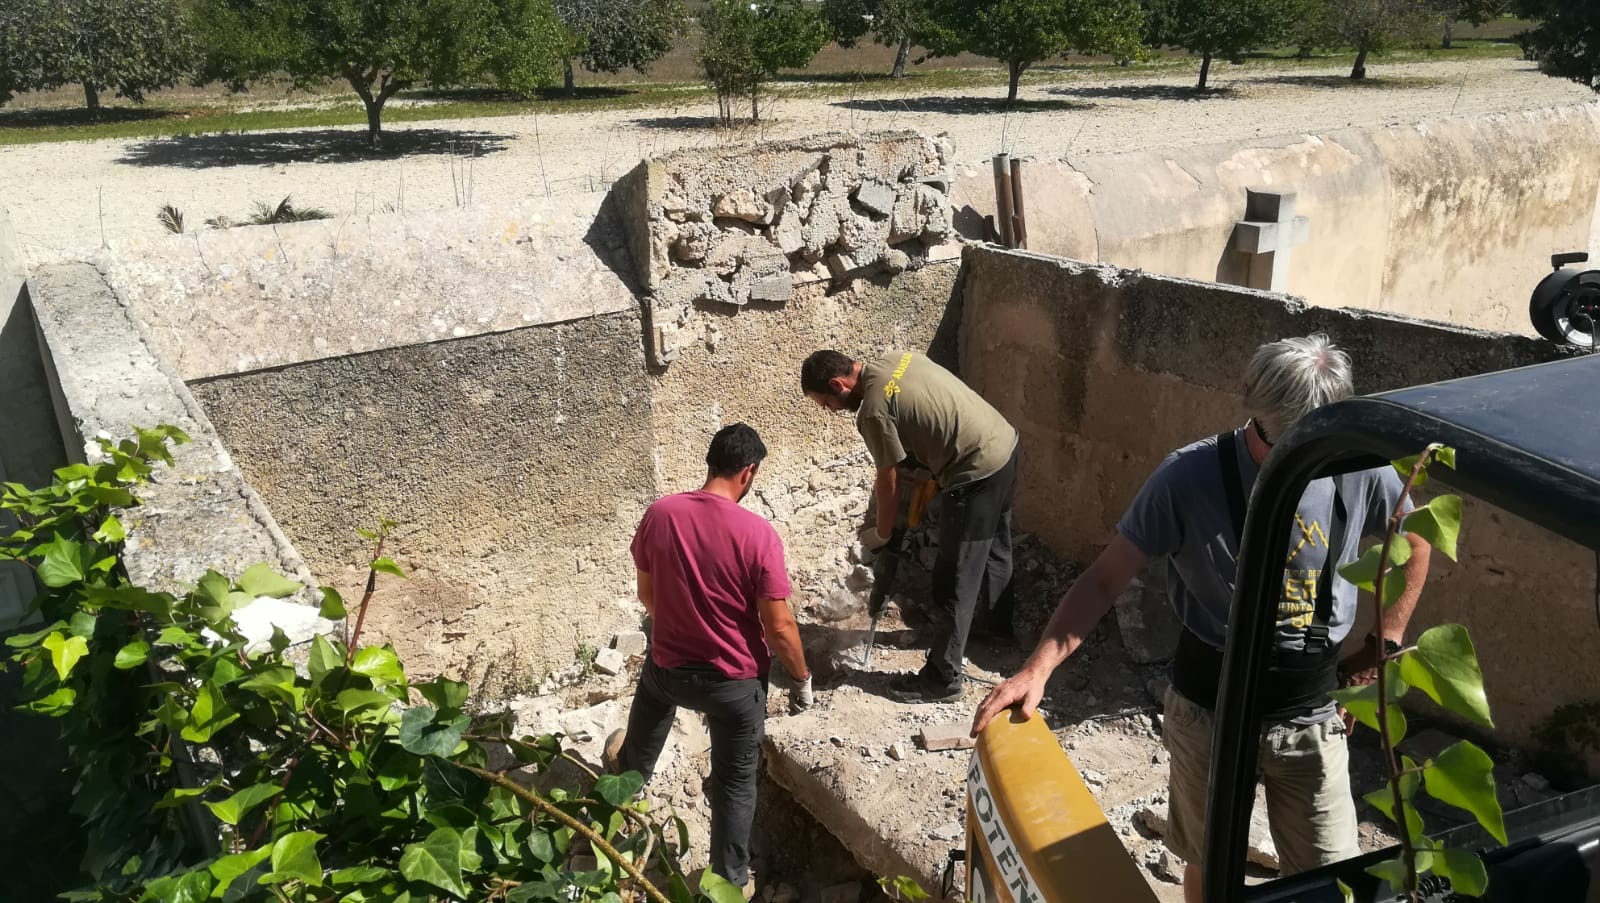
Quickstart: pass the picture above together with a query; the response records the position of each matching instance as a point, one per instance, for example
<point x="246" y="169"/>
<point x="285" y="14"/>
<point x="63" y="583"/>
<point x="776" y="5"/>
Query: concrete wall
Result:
<point x="1450" y="220"/>
<point x="1104" y="371"/>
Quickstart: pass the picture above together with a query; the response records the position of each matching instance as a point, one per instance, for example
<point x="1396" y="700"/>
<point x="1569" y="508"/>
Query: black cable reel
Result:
<point x="1565" y="307"/>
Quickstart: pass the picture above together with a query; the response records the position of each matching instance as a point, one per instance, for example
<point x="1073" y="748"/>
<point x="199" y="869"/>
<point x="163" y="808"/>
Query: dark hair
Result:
<point x="733" y="449"/>
<point x="822" y="366"/>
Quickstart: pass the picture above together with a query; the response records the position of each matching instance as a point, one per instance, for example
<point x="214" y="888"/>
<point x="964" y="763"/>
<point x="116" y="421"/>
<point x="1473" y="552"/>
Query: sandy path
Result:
<point x="62" y="196"/>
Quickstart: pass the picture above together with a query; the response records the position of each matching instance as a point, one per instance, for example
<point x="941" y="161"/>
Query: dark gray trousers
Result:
<point x="736" y="712"/>
<point x="974" y="565"/>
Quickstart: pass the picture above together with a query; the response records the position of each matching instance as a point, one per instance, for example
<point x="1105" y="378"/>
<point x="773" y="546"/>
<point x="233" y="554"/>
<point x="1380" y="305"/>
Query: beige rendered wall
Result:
<point x="1104" y="371"/>
<point x="1451" y="220"/>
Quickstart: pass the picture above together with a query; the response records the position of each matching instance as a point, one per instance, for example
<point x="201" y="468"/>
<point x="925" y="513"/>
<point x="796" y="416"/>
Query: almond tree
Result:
<point x="1566" y="41"/>
<point x="892" y="23"/>
<point x="1213" y="28"/>
<point x="612" y="35"/>
<point x="127" y="47"/>
<point x="1021" y="33"/>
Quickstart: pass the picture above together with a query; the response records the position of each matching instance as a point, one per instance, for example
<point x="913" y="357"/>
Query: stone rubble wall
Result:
<point x="752" y="224"/>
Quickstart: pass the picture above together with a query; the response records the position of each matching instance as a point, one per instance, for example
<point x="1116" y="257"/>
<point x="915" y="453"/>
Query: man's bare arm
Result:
<point x="1398" y="617"/>
<point x="886" y="489"/>
<point x="783" y="636"/>
<point x="1084" y="604"/>
<point x="647" y="592"/>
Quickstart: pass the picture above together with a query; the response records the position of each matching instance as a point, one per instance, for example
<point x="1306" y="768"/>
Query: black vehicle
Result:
<point x="1528" y="442"/>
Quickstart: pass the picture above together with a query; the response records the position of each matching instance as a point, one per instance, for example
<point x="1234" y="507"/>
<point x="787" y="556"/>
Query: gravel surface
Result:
<point x="66" y="196"/>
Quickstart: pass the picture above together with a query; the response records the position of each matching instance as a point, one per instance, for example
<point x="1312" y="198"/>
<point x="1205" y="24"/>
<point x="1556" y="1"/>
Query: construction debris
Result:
<point x="940" y="737"/>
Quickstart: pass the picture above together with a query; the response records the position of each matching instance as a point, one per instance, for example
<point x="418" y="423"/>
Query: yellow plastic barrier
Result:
<point x="1034" y="832"/>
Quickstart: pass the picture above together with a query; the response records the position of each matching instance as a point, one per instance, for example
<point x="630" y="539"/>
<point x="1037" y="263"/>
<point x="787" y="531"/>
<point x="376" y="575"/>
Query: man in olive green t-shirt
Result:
<point x="919" y="419"/>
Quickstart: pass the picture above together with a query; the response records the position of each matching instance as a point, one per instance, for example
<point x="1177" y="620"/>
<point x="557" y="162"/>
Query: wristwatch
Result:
<point x="1390" y="647"/>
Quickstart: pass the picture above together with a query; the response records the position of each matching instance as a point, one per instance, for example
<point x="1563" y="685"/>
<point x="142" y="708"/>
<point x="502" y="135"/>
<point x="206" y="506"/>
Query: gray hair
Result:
<point x="1290" y="378"/>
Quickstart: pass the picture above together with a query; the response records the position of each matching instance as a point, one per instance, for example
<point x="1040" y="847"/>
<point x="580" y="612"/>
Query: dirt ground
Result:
<point x="66" y="196"/>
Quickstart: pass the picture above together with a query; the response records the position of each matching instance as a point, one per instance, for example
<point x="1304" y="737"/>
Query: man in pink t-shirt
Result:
<point x="712" y="579"/>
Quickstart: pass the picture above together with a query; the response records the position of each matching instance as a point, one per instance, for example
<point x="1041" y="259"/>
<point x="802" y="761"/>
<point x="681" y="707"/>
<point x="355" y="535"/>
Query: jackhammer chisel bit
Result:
<point x="884" y="568"/>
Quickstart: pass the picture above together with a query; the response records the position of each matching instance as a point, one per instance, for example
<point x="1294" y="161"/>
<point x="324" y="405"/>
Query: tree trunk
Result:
<point x="374" y="120"/>
<point x="571" y="83"/>
<point x="755" y="106"/>
<point x="1016" y="79"/>
<point x="1205" y="69"/>
<point x="1303" y="52"/>
<point x="1359" y="71"/>
<point x="91" y="99"/>
<point x="900" y="57"/>
<point x="1449" y="32"/>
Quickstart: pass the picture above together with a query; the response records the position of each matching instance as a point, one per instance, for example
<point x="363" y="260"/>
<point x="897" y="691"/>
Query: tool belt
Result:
<point x="1298" y="681"/>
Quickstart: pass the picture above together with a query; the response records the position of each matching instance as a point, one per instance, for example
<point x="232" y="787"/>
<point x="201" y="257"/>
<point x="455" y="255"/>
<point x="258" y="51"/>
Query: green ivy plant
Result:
<point x="211" y="768"/>
<point x="1444" y="666"/>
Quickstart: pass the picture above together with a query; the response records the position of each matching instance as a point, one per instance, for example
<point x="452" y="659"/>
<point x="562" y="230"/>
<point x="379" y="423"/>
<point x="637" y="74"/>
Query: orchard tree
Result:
<point x="1567" y="39"/>
<point x="1021" y="33"/>
<point x="1373" y="26"/>
<point x="1472" y="12"/>
<point x="382" y="48"/>
<point x="1213" y="28"/>
<point x="892" y="23"/>
<point x="127" y="47"/>
<point x="745" y="44"/>
<point x="612" y="35"/>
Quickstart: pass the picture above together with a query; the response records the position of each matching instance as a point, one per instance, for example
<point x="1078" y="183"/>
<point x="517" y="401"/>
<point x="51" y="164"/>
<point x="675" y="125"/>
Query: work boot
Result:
<point x="911" y="688"/>
<point x="611" y="754"/>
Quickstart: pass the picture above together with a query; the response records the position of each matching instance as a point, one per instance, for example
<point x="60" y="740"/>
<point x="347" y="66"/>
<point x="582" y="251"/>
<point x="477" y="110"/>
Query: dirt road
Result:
<point x="64" y="196"/>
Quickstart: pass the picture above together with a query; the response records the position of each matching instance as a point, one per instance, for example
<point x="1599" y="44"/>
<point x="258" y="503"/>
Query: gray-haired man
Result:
<point x="1191" y="512"/>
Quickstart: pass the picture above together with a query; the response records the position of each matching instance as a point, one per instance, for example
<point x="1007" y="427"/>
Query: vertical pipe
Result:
<point x="1002" y="200"/>
<point x="1020" y="228"/>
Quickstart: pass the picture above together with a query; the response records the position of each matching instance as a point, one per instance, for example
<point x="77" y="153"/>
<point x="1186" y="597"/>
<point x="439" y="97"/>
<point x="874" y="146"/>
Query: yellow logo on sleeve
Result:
<point x="892" y="387"/>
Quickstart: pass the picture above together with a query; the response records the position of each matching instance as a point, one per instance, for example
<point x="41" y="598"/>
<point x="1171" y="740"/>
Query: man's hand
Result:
<point x="800" y="697"/>
<point x="1025" y="687"/>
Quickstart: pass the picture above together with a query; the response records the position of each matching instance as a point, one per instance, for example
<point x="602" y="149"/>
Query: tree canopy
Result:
<point x="1213" y="28"/>
<point x="1024" y="32"/>
<point x="612" y="35"/>
<point x="1567" y="39"/>
<point x="384" y="48"/>
<point x="1373" y="26"/>
<point x="127" y="47"/>
<point x="892" y="23"/>
<point x="745" y="44"/>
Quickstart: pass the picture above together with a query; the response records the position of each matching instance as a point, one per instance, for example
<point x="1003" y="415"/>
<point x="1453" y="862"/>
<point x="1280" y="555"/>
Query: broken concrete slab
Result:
<point x="632" y="642"/>
<point x="876" y="197"/>
<point x="610" y="661"/>
<point x="940" y="737"/>
<point x="1145" y="620"/>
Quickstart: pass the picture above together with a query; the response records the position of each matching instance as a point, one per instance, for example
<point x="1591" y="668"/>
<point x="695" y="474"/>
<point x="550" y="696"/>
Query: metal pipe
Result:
<point x="1019" y="229"/>
<point x="1002" y="200"/>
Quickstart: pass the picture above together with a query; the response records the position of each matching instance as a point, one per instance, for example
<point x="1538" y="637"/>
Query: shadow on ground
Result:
<point x="679" y="122"/>
<point x="959" y="106"/>
<point x="1144" y="92"/>
<point x="57" y="117"/>
<point x="332" y="145"/>
<point x="1371" y="82"/>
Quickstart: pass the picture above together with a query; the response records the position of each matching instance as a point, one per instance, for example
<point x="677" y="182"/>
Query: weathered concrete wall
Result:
<point x="198" y="514"/>
<point x="268" y="296"/>
<point x="1452" y="220"/>
<point x="1105" y="371"/>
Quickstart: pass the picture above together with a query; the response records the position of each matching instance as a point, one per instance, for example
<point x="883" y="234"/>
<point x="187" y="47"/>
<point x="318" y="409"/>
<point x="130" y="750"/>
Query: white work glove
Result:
<point x="870" y="540"/>
<point x="800" y="697"/>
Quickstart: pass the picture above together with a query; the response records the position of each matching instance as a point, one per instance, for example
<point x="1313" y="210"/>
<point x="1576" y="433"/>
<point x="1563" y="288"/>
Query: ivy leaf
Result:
<point x="720" y="889"/>
<point x="353" y="700"/>
<point x="62" y="564"/>
<point x="110" y="530"/>
<point x="323" y="658"/>
<point x="1362" y="702"/>
<point x="1465" y="870"/>
<point x="294" y="856"/>
<point x="904" y="888"/>
<point x="1445" y="666"/>
<point x="1463" y="776"/>
<point x="65" y="652"/>
<point x="437" y="861"/>
<point x="177" y="796"/>
<point x="131" y="655"/>
<point x="275" y="682"/>
<point x="82" y="624"/>
<point x="446" y="694"/>
<point x="228" y="868"/>
<point x="380" y="664"/>
<point x="1439" y="522"/>
<point x="1382" y="799"/>
<point x="419" y="734"/>
<point x="332" y="604"/>
<point x="211" y="713"/>
<point x="1445" y="455"/>
<point x="358" y="874"/>
<point x="386" y="565"/>
<point x="618" y="789"/>
<point x="1393" y="871"/>
<point x="261" y="580"/>
<point x="174" y="636"/>
<point x="1363" y="572"/>
<point x="56" y="704"/>
<point x="1406" y="466"/>
<point x="237" y="806"/>
<point x="541" y="846"/>
<point x="191" y="887"/>
<point x="1394" y="582"/>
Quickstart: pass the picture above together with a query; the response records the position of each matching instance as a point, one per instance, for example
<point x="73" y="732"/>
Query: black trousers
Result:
<point x="974" y="565"/>
<point x="736" y="712"/>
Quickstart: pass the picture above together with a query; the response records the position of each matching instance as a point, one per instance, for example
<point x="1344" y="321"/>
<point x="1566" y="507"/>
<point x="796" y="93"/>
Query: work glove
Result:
<point x="869" y="538"/>
<point x="800" y="697"/>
